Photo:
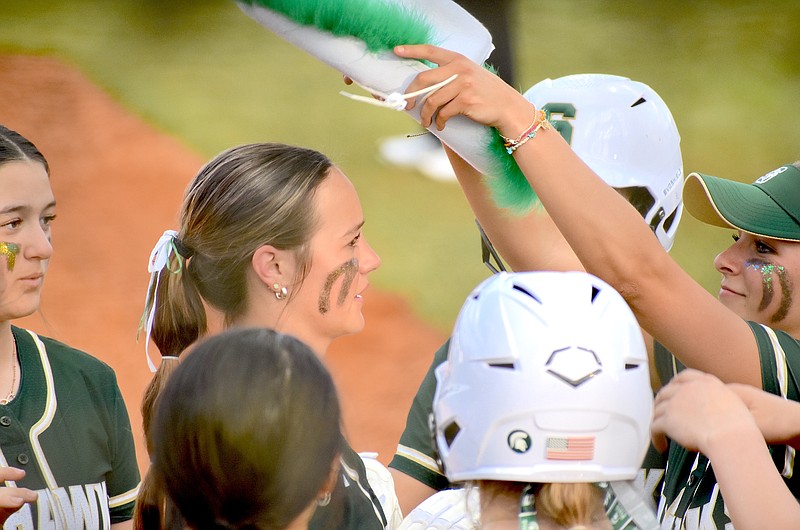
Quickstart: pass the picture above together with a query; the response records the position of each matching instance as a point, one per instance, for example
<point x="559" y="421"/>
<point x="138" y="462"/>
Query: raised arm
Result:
<point x="603" y="229"/>
<point x="527" y="242"/>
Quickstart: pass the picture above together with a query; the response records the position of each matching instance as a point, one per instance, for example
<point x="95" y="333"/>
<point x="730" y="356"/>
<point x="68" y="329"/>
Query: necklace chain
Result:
<point x="6" y="400"/>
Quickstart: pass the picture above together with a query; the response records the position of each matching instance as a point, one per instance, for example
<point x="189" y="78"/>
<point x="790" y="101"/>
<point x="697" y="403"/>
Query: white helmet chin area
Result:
<point x="624" y="131"/>
<point x="546" y="380"/>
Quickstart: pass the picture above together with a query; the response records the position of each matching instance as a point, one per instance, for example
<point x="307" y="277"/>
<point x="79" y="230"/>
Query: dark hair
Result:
<point x="14" y="147"/>
<point x="247" y="432"/>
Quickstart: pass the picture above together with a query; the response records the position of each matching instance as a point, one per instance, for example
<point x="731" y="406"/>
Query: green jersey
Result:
<point x="68" y="429"/>
<point x="353" y="505"/>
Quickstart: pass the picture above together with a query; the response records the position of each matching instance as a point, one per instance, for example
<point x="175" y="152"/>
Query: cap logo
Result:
<point x="769" y="176"/>
<point x="519" y="441"/>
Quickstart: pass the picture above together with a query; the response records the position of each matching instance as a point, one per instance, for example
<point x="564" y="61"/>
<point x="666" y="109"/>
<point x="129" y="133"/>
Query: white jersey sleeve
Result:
<point x="382" y="485"/>
<point x="455" y="509"/>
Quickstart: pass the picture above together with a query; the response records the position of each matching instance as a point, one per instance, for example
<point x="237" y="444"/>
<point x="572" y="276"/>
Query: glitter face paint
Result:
<point x="10" y="251"/>
<point x="349" y="270"/>
<point x="767" y="271"/>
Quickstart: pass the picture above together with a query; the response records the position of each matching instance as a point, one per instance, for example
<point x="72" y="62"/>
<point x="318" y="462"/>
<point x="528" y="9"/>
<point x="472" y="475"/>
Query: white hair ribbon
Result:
<point x="159" y="259"/>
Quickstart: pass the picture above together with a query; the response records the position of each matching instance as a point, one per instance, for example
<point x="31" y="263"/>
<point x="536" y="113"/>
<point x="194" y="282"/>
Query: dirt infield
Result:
<point x="118" y="183"/>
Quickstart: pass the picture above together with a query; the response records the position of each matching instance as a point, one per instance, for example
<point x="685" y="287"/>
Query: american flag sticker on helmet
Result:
<point x="570" y="448"/>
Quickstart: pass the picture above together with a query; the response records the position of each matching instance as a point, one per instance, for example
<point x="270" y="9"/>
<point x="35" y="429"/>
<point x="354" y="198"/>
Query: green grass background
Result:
<point x="205" y="73"/>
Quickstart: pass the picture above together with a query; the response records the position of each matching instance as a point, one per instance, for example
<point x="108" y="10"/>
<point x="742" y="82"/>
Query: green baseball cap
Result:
<point x="769" y="207"/>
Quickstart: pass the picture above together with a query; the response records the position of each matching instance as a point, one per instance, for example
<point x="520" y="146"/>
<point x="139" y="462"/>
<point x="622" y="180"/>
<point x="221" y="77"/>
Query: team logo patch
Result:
<point x="519" y="441"/>
<point x="769" y="176"/>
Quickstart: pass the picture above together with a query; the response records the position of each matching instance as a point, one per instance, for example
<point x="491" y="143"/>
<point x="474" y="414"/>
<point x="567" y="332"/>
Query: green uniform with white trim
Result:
<point x="691" y="496"/>
<point x="69" y="430"/>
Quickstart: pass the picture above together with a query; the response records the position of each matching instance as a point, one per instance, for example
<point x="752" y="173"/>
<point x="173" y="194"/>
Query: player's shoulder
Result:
<point x="767" y="336"/>
<point x="63" y="357"/>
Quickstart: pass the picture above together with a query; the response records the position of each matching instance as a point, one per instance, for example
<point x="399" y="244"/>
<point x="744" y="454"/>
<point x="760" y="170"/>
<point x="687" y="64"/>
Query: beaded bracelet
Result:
<point x="539" y="122"/>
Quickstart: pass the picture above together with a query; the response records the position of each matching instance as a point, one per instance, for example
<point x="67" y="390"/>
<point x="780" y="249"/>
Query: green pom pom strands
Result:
<point x="381" y="25"/>
<point x="327" y="28"/>
<point x="511" y="190"/>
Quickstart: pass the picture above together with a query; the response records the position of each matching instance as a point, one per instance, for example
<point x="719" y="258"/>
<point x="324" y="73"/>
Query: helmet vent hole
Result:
<point x="639" y="102"/>
<point x="526" y="292"/>
<point x="595" y="292"/>
<point x="631" y="366"/>
<point x="669" y="220"/>
<point x="639" y="197"/>
<point x="450" y="433"/>
<point x="505" y="366"/>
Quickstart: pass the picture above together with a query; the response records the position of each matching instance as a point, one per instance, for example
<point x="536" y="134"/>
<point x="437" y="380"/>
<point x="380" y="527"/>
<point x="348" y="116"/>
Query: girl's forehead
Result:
<point x="337" y="198"/>
<point x="24" y="180"/>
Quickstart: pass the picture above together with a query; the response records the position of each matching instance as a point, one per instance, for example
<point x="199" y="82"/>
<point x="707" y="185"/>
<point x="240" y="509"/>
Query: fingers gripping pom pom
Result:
<point x="356" y="37"/>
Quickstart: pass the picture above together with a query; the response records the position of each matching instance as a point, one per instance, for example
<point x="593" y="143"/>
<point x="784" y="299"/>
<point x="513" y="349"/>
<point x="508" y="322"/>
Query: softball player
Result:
<point x="270" y="236"/>
<point x="637" y="151"/>
<point x="748" y="335"/>
<point x="63" y="423"/>
<point x="545" y="402"/>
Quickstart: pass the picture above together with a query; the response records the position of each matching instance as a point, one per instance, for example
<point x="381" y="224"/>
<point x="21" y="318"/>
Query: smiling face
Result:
<point x="758" y="279"/>
<point x="27" y="207"/>
<point x="329" y="302"/>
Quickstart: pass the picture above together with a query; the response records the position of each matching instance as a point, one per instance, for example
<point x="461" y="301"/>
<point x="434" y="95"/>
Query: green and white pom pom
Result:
<point x="357" y="37"/>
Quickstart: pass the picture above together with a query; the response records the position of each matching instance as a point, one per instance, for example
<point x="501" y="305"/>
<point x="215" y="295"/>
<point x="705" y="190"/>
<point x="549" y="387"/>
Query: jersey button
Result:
<point x="22" y="458"/>
<point x="5" y="421"/>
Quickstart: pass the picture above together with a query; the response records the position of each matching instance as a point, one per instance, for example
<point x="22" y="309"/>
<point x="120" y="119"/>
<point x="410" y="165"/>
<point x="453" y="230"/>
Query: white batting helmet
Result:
<point x="546" y="380"/>
<point x="625" y="132"/>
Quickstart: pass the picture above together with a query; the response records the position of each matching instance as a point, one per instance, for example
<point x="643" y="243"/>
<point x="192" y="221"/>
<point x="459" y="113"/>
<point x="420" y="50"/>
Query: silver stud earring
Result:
<point x="280" y="292"/>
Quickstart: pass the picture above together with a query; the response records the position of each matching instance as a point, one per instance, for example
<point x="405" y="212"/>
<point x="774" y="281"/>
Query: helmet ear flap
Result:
<point x="443" y="438"/>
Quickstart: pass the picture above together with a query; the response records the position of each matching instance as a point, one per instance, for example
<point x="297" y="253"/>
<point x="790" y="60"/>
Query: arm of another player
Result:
<point x="410" y="491"/>
<point x="603" y="229"/>
<point x="776" y="417"/>
<point x="527" y="242"/>
<point x="126" y="525"/>
<point x="701" y="413"/>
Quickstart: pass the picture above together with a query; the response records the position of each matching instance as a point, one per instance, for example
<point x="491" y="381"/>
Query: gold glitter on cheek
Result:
<point x="10" y="250"/>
